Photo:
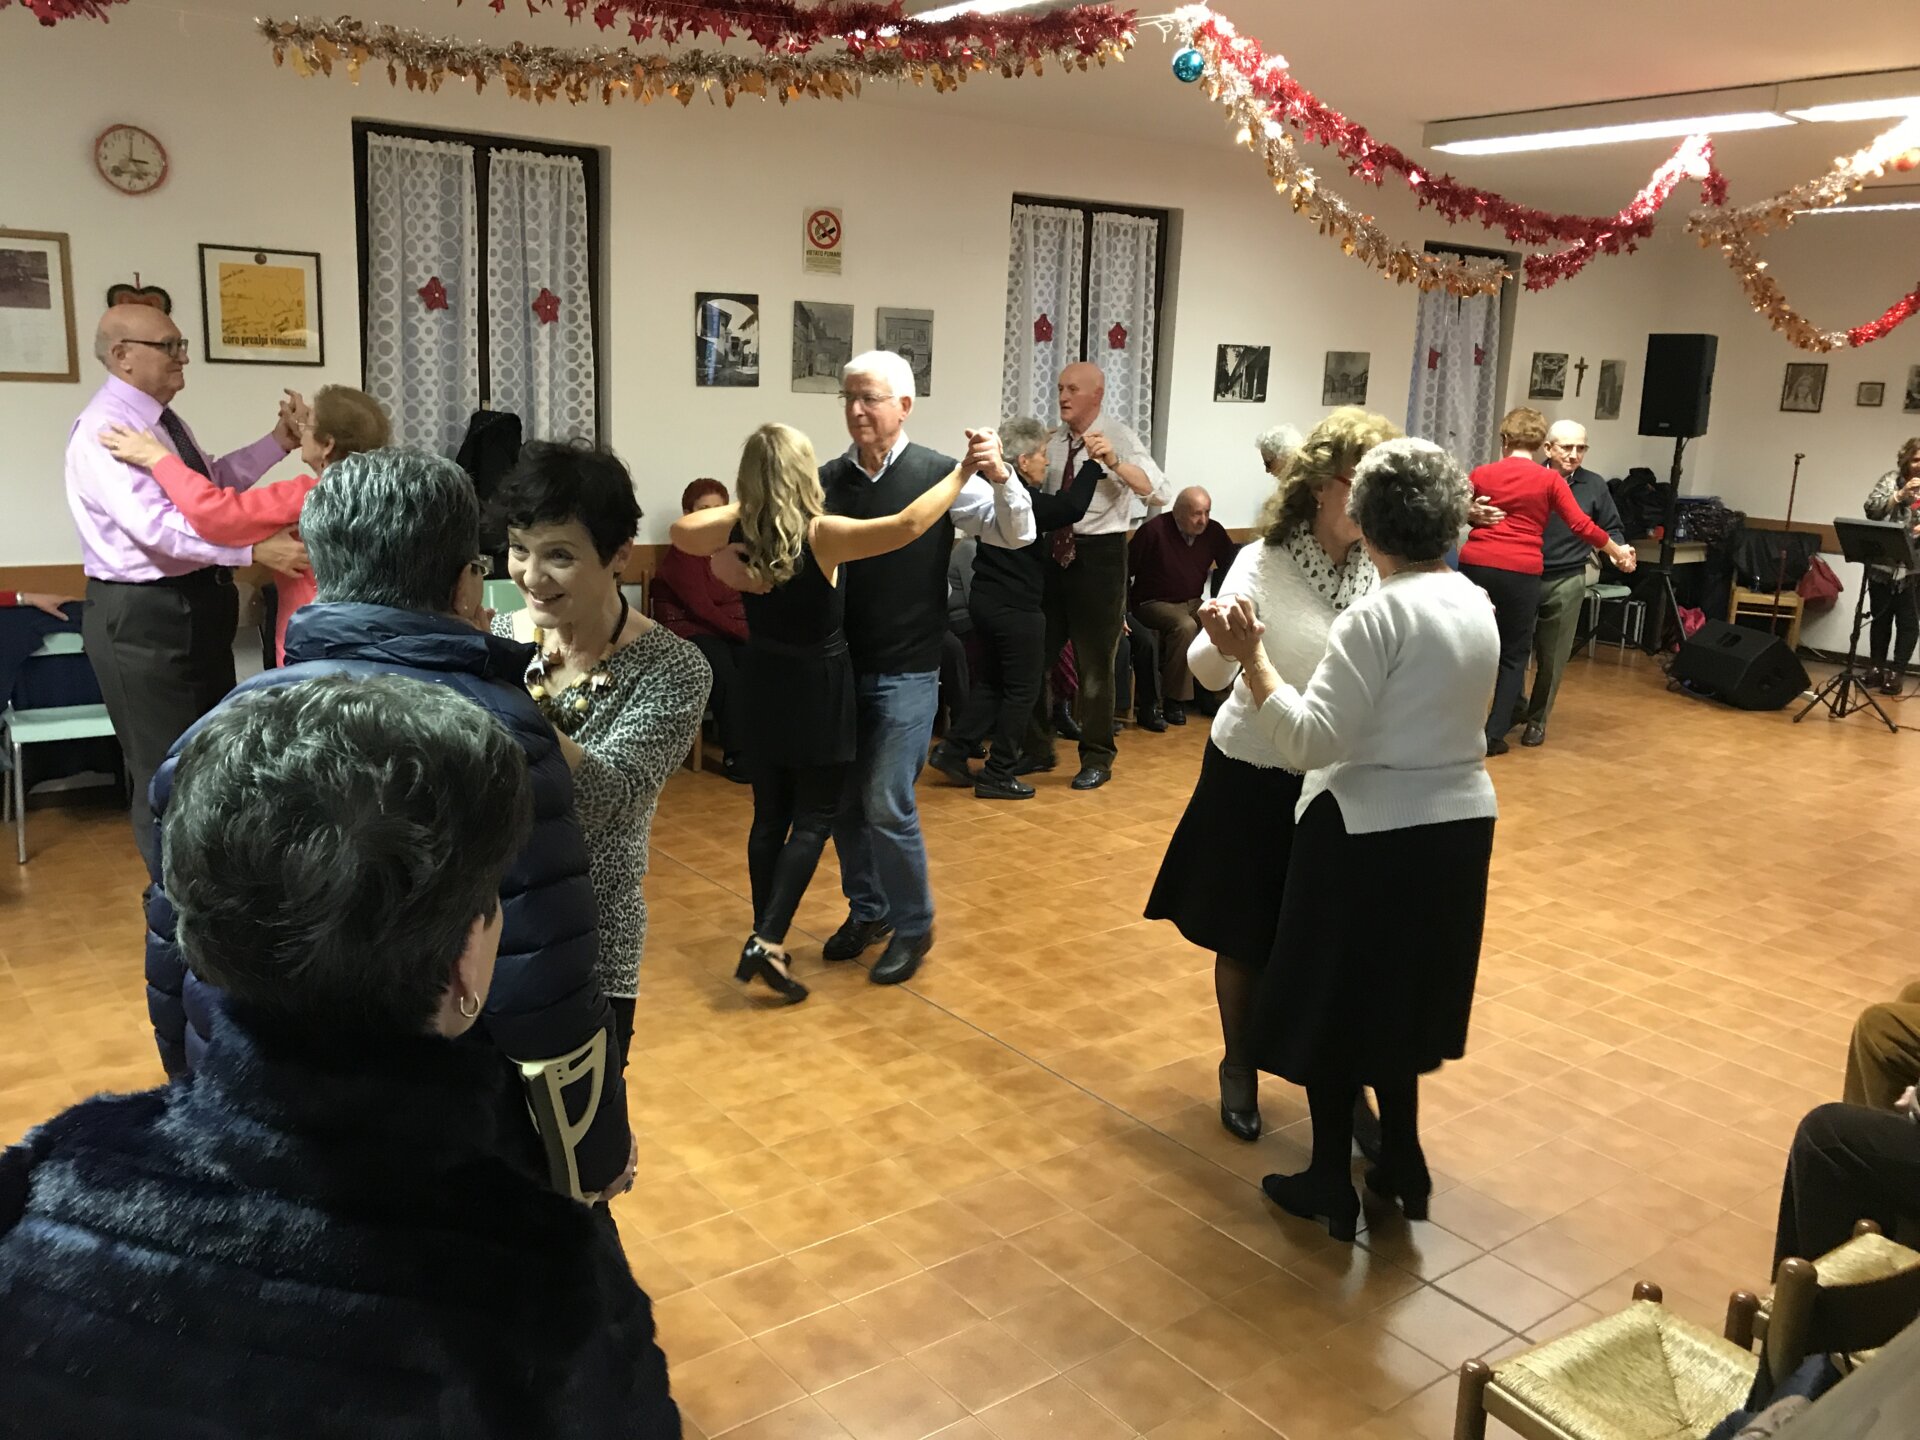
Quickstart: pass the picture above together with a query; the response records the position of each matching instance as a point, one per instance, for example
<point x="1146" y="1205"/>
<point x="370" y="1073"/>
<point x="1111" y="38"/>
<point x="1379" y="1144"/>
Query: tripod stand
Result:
<point x="1657" y="637"/>
<point x="1865" y="542"/>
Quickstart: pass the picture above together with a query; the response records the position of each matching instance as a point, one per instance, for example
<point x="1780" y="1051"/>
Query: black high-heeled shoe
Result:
<point x="756" y="961"/>
<point x="1240" y="1100"/>
<point x="1410" y="1184"/>
<point x="1313" y="1197"/>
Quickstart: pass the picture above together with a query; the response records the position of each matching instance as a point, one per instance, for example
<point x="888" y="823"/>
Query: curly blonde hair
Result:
<point x="780" y="497"/>
<point x="1331" y="451"/>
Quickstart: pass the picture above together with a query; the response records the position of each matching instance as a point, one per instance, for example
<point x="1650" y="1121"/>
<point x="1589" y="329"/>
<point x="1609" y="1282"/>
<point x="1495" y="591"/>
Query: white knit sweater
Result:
<point x="1296" y="616"/>
<point x="1393" y="721"/>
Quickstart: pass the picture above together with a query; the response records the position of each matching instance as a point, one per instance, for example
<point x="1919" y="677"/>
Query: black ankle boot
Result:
<point x="1404" y="1179"/>
<point x="1316" y="1197"/>
<point x="1240" y="1100"/>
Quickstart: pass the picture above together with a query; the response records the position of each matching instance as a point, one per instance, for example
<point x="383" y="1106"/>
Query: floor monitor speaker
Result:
<point x="1749" y="669"/>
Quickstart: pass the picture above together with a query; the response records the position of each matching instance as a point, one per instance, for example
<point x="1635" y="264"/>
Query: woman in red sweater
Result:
<point x="1504" y="559"/>
<point x="342" y="422"/>
<point x="691" y="603"/>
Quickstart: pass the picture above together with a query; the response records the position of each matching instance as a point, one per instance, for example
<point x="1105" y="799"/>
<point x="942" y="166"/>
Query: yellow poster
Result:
<point x="264" y="307"/>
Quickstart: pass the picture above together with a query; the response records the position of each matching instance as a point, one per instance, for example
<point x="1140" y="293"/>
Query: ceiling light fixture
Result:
<point x="973" y="7"/>
<point x="1614" y="134"/>
<point x="1612" y="122"/>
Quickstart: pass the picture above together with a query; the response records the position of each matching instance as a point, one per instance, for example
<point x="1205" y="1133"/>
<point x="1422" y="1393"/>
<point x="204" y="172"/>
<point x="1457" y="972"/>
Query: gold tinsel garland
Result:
<point x="540" y="73"/>
<point x="1355" y="231"/>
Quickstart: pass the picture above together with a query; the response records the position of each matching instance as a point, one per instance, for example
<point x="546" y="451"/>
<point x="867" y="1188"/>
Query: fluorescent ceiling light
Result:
<point x="973" y="7"/>
<point x="1884" y="95"/>
<point x="1615" y="134"/>
<point x="1845" y="110"/>
<point x="1874" y="200"/>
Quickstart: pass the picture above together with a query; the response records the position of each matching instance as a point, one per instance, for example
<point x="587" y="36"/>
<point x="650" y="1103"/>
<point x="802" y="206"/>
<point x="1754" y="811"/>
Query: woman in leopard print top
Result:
<point x="624" y="693"/>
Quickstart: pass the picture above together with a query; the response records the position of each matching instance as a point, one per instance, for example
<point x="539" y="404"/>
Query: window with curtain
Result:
<point x="1084" y="282"/>
<point x="479" y="269"/>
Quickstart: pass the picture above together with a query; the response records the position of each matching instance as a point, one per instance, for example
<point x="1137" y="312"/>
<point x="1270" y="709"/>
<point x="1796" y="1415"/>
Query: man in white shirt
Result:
<point x="1087" y="567"/>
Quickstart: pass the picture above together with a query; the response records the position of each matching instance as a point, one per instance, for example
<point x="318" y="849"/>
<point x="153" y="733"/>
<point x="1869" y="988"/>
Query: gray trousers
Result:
<point x="1553" y="636"/>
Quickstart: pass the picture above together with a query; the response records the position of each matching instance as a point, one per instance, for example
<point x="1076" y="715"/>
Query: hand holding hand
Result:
<point x="50" y="604"/>
<point x="283" y="552"/>
<point x="134" y="447"/>
<point x="294" y="413"/>
<point x="1100" y="448"/>
<point x="1624" y="558"/>
<point x="729" y="567"/>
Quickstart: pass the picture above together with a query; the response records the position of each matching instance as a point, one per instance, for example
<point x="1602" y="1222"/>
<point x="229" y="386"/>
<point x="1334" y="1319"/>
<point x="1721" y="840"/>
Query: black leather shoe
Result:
<point x="1240" y="1101"/>
<point x="1064" y="725"/>
<point x="1175" y="711"/>
<point x="1534" y="736"/>
<point x="852" y="939"/>
<point x="1091" y="777"/>
<point x="1498" y="747"/>
<point x="1150" y="719"/>
<point x="1035" y="765"/>
<point x="951" y="761"/>
<point x="902" y="958"/>
<point x="997" y="789"/>
<point x="735" y="769"/>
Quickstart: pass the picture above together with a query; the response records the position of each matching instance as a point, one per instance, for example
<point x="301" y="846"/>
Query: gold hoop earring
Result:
<point x="466" y="1000"/>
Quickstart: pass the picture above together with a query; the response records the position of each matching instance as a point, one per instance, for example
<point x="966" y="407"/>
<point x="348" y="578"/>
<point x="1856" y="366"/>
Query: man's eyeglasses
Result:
<point x="1570" y="449"/>
<point x="864" y="401"/>
<point x="177" y="349"/>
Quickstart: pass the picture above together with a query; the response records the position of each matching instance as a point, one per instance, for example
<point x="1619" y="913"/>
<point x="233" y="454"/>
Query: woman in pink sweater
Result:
<point x="342" y="422"/>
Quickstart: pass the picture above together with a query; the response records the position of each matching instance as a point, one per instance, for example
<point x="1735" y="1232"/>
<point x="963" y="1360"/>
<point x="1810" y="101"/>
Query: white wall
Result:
<point x="710" y="198"/>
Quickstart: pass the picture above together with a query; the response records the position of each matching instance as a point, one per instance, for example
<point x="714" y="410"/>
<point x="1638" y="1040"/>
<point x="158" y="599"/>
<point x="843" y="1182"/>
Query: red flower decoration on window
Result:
<point x="1433" y="359"/>
<point x="433" y="294"/>
<point x="547" y="306"/>
<point x="1117" y="337"/>
<point x="1042" y="330"/>
<point x="1479" y="355"/>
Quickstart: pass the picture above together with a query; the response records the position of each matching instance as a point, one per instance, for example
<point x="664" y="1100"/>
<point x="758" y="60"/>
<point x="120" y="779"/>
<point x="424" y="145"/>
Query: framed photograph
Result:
<point x="822" y="344"/>
<point x="37" y="340"/>
<point x="1870" y="393"/>
<point x="1607" y="391"/>
<point x="909" y="334"/>
<point x="260" y="307"/>
<point x="1240" y="374"/>
<point x="1805" y="389"/>
<point x="726" y="339"/>
<point x="1343" y="379"/>
<point x="1912" y="404"/>
<point x="1547" y="379"/>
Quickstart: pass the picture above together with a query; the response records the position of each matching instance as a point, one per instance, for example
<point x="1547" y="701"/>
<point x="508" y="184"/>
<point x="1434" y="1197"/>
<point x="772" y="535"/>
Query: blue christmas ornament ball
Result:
<point x="1189" y="66"/>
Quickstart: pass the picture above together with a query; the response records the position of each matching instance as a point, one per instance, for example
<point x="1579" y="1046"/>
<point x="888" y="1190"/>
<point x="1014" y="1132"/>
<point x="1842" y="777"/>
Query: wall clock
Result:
<point x="130" y="160"/>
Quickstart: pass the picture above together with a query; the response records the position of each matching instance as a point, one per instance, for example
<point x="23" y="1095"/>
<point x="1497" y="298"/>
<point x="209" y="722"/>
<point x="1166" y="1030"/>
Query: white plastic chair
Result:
<point x="40" y="726"/>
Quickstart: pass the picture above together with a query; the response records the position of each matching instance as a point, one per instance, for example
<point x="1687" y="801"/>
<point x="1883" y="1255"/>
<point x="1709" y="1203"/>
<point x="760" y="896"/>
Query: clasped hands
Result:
<point x="1233" y="627"/>
<point x="984" y="456"/>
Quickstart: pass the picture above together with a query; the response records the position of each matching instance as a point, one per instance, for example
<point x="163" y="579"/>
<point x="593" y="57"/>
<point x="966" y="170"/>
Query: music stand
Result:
<point x="1864" y="542"/>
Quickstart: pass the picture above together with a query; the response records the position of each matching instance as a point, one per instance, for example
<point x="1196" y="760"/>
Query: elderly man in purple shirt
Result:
<point x="161" y="607"/>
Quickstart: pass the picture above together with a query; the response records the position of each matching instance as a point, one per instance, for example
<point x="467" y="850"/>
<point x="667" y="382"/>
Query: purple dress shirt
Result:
<point x="129" y="530"/>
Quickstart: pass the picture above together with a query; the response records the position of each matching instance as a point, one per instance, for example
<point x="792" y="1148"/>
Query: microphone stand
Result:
<point x="1780" y="575"/>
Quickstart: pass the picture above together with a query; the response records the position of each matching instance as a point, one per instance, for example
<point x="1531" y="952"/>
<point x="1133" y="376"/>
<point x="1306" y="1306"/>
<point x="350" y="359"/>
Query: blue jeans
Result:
<point x="883" y="860"/>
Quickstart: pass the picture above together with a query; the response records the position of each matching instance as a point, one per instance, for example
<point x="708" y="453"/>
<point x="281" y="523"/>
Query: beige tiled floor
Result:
<point x="997" y="1202"/>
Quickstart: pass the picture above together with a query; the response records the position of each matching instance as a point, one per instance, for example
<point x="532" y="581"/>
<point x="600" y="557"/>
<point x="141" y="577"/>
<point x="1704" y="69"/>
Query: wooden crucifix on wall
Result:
<point x="1579" y="375"/>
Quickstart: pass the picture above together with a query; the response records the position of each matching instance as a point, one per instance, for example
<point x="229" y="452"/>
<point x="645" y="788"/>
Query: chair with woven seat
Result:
<point x="41" y="726"/>
<point x="1869" y="1255"/>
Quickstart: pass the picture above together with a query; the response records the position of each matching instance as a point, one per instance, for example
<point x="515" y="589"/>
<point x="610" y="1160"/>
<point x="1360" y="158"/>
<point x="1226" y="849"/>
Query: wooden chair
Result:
<point x="637" y="585"/>
<point x="1869" y="1255"/>
<point x="1760" y="603"/>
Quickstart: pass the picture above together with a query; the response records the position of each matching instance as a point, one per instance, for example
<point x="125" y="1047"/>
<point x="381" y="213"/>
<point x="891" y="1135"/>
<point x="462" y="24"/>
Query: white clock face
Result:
<point x="130" y="159"/>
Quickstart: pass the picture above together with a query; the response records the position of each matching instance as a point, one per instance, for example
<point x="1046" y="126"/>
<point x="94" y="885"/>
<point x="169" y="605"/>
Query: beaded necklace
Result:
<point x="568" y="709"/>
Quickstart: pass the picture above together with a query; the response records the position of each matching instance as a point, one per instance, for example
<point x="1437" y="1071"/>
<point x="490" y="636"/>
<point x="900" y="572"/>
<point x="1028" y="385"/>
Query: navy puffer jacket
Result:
<point x="546" y="999"/>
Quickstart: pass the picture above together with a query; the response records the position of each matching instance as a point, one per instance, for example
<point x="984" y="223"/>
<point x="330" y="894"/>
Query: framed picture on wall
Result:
<point x="1547" y="379"/>
<point x="726" y="339"/>
<point x="1805" y="389"/>
<point x="260" y="307"/>
<point x="1240" y="374"/>
<point x="1870" y="393"/>
<point x="1343" y="377"/>
<point x="37" y="341"/>
<point x="1607" y="391"/>
<point x="909" y="334"/>
<point x="822" y="344"/>
<point x="1912" y="404"/>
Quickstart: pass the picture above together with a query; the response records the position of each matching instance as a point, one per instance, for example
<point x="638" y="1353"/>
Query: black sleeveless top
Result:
<point x="797" y="672"/>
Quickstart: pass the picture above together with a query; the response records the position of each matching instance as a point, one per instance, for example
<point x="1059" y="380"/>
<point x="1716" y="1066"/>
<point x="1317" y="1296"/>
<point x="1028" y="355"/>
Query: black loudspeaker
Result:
<point x="1749" y="669"/>
<point x="1678" y="386"/>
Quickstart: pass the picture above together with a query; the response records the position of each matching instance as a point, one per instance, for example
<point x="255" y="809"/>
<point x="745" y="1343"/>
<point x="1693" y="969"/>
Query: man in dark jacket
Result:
<point x="392" y="534"/>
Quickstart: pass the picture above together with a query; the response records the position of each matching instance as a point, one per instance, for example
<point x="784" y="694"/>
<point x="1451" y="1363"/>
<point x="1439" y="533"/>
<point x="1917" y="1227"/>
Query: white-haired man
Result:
<point x="896" y="616"/>
<point x="1563" y="581"/>
<point x="1087" y="574"/>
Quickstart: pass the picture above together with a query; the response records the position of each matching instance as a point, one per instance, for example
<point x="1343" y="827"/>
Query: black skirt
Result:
<point x="800" y="703"/>
<point x="1378" y="947"/>
<point x="1226" y="866"/>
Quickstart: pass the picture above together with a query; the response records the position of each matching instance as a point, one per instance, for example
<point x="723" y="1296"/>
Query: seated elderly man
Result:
<point x="317" y="1235"/>
<point x="393" y="535"/>
<point x="1883" y="1060"/>
<point x="1171" y="557"/>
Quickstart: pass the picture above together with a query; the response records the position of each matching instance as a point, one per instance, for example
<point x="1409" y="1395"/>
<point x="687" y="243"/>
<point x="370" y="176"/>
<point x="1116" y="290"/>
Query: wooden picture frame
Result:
<point x="36" y="308"/>
<point x="260" y="306"/>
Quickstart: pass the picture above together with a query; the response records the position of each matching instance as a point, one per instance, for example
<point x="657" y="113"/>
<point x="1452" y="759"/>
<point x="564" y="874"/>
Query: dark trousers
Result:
<point x="163" y="654"/>
<point x="793" y="810"/>
<point x="1516" y="605"/>
<point x="727" y="700"/>
<point x="1896" y="616"/>
<point x="1085" y="604"/>
<point x="622" y="1008"/>
<point x="1007" y="685"/>
<point x="956" y="677"/>
<point x="1136" y="669"/>
<point x="1847" y="1164"/>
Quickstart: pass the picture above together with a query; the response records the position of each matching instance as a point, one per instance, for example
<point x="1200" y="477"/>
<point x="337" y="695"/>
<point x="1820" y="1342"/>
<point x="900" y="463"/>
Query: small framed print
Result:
<point x="260" y="307"/>
<point x="1870" y="393"/>
<point x="1805" y="389"/>
<point x="37" y="340"/>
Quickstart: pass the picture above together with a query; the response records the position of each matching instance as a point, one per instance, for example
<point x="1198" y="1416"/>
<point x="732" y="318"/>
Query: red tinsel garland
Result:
<point x="52" y="12"/>
<point x="1897" y="313"/>
<point x="781" y="27"/>
<point x="1693" y="159"/>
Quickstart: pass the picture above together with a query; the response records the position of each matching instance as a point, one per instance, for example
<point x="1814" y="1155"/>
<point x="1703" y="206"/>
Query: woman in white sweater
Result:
<point x="1220" y="880"/>
<point x="1372" y="976"/>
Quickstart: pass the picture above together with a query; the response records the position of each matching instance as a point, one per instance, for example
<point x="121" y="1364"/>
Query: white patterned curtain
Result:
<point x="1120" y="314"/>
<point x="1043" y="309"/>
<point x="539" y="302"/>
<point x="1453" y="398"/>
<point x="423" y="288"/>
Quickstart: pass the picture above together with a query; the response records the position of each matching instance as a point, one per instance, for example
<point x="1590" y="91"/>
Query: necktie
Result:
<point x="183" y="445"/>
<point x="1063" y="546"/>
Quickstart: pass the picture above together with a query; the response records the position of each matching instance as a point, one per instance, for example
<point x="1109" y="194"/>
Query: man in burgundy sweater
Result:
<point x="1170" y="558"/>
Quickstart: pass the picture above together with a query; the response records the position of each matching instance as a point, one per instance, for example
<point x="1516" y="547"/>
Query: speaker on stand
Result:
<point x="1674" y="399"/>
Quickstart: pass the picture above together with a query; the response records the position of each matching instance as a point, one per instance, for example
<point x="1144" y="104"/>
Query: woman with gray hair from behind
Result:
<point x="1396" y="795"/>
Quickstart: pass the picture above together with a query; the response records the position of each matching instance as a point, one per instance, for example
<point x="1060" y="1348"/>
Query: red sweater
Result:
<point x="689" y="601"/>
<point x="243" y="517"/>
<point x="1166" y="567"/>
<point x="1527" y="491"/>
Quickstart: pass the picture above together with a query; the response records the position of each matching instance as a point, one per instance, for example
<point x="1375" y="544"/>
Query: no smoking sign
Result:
<point x="821" y="239"/>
